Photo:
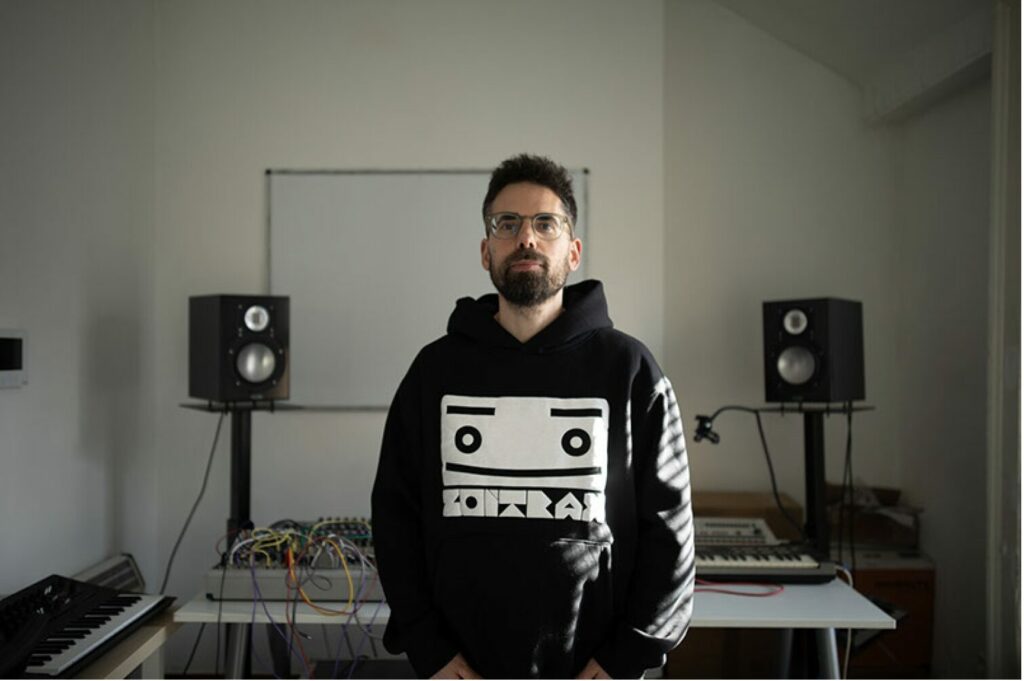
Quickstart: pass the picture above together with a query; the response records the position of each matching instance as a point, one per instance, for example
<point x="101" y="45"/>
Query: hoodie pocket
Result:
<point x="522" y="607"/>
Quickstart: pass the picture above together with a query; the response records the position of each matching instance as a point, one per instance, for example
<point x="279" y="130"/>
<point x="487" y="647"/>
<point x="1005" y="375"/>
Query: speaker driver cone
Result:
<point x="256" y="363"/>
<point x="796" y="365"/>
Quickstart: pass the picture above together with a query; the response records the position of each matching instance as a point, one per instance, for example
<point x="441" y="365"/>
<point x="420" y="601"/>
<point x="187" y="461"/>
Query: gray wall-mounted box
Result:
<point x="13" y="373"/>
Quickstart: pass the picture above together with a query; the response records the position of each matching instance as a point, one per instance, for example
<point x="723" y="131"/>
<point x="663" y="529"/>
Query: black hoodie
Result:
<point x="532" y="502"/>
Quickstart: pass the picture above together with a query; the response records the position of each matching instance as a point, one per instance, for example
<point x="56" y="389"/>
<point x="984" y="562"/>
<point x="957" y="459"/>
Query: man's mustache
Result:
<point x="527" y="256"/>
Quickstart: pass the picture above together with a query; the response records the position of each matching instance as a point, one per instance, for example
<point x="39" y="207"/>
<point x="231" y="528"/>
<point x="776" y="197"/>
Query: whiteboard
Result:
<point x="373" y="262"/>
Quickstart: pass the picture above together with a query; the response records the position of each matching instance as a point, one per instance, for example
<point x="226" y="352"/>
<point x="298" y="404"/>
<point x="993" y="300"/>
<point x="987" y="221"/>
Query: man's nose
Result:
<point x="526" y="238"/>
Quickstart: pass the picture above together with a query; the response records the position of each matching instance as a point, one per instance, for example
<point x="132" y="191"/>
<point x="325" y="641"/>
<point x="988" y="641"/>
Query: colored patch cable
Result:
<point x="302" y="553"/>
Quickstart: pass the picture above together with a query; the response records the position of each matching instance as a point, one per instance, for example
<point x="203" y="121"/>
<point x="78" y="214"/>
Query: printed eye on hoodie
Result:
<point x="524" y="457"/>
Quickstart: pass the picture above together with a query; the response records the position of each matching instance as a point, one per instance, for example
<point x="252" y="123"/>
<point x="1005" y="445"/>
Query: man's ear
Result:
<point x="575" y="254"/>
<point x="485" y="255"/>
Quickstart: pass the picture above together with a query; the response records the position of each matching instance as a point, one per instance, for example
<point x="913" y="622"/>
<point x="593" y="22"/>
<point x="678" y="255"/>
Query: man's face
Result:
<point x="528" y="270"/>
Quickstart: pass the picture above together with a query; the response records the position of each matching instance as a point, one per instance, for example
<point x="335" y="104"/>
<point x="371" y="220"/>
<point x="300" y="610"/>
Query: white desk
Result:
<point x="800" y="606"/>
<point x="822" y="607"/>
<point x="200" y="610"/>
<point x="142" y="648"/>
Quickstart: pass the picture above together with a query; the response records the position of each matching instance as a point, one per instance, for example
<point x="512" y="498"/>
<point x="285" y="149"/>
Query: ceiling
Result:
<point x="855" y="38"/>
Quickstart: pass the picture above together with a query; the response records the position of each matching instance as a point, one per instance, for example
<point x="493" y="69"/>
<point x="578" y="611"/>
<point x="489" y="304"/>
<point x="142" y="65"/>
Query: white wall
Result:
<point x="244" y="86"/>
<point x="775" y="189"/>
<point x="75" y="235"/>
<point x="942" y="242"/>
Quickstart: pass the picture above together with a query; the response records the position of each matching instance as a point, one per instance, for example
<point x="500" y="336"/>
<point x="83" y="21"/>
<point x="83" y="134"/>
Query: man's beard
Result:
<point x="528" y="288"/>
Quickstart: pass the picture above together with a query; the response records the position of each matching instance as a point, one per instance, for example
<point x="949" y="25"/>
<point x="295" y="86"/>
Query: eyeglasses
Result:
<point x="547" y="226"/>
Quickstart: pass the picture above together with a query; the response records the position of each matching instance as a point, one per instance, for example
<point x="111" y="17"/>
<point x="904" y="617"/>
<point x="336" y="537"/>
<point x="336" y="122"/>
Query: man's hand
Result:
<point x="458" y="668"/>
<point x="593" y="671"/>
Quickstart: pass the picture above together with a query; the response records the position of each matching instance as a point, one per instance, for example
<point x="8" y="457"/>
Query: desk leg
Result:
<point x="785" y="653"/>
<point x="828" y="654"/>
<point x="153" y="666"/>
<point x="279" y="654"/>
<point x="238" y="649"/>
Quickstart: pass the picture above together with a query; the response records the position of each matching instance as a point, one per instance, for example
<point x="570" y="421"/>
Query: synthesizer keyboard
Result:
<point x="57" y="625"/>
<point x="733" y="531"/>
<point x="792" y="564"/>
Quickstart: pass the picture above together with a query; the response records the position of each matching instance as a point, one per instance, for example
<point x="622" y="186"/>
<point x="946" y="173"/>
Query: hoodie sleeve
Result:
<point x="660" y="601"/>
<point x="415" y="626"/>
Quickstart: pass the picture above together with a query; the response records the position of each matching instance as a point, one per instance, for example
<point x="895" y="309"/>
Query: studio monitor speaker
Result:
<point x="813" y="351"/>
<point x="238" y="348"/>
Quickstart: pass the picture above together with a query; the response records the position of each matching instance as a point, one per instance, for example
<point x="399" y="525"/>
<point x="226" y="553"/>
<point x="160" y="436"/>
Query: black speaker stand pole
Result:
<point x="241" y="472"/>
<point x="238" y="658"/>
<point x="817" y="530"/>
<point x="816" y="525"/>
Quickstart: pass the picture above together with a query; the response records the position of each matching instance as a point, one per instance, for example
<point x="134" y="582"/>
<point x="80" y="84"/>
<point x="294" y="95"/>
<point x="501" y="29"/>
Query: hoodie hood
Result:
<point x="585" y="311"/>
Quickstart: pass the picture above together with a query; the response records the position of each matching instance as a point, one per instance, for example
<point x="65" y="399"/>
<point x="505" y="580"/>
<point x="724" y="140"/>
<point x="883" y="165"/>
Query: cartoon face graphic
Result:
<point x="536" y="457"/>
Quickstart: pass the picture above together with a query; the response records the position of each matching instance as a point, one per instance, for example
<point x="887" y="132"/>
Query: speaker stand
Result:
<point x="238" y="662"/>
<point x="816" y="525"/>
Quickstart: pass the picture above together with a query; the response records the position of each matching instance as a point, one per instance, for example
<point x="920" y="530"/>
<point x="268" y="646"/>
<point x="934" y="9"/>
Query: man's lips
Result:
<point x="526" y="262"/>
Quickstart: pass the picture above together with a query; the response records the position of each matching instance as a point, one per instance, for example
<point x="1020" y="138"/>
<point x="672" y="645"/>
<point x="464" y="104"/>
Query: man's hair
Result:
<point x="537" y="170"/>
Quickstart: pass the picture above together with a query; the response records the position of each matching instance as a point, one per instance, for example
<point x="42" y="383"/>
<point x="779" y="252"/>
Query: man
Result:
<point x="531" y="510"/>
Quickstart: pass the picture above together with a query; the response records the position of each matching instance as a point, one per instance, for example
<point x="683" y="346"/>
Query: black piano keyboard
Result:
<point x="58" y="625"/>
